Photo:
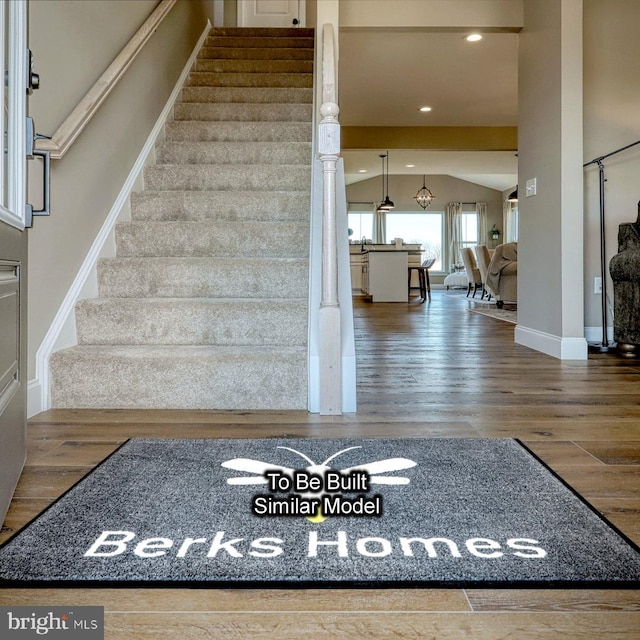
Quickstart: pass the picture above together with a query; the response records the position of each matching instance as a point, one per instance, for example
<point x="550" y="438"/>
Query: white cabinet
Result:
<point x="384" y="275"/>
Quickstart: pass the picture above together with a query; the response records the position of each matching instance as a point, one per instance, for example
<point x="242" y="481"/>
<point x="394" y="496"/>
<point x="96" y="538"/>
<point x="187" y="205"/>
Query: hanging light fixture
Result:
<point x="385" y="202"/>
<point x="424" y="196"/>
<point x="388" y="204"/>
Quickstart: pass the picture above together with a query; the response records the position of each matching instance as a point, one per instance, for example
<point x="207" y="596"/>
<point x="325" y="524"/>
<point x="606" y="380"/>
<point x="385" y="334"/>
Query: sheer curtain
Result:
<point x="453" y="231"/>
<point x="483" y="232"/>
<point x="510" y="221"/>
<point x="379" y="226"/>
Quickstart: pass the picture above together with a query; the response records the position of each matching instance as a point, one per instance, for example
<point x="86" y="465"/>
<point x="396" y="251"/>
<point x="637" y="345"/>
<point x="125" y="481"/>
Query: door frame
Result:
<point x="13" y="243"/>
<point x="243" y="8"/>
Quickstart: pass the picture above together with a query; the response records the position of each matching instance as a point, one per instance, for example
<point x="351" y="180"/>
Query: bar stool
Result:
<point x="423" y="278"/>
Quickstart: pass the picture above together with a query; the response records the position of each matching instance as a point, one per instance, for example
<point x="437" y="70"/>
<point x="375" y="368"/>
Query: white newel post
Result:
<point x="330" y="327"/>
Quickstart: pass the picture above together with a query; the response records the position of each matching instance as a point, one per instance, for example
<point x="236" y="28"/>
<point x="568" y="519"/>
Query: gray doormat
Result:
<point x="443" y="512"/>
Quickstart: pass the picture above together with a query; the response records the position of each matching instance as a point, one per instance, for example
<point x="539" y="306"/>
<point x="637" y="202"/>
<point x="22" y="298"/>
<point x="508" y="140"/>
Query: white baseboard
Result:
<point x="561" y="348"/>
<point x="594" y="334"/>
<point x="61" y="332"/>
<point x="34" y="395"/>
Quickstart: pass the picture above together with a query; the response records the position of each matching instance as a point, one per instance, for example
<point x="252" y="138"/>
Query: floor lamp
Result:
<point x="604" y="346"/>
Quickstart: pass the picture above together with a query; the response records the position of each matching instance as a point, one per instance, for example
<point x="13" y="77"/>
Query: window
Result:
<point x="361" y="224"/>
<point x="419" y="228"/>
<point x="469" y="228"/>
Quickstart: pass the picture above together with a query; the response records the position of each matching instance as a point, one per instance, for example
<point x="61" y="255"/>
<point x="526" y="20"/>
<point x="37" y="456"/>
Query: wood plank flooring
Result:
<point x="424" y="370"/>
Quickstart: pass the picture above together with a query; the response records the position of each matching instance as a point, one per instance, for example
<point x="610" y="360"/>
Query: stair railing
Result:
<point x="78" y="119"/>
<point x="330" y="343"/>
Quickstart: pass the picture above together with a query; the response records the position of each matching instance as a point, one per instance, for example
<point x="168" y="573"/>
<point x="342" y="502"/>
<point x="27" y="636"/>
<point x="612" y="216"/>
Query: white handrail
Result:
<point x="330" y="360"/>
<point x="78" y="119"/>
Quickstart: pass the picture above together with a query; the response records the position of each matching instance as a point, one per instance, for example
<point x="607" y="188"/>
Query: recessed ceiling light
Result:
<point x="362" y="171"/>
<point x="409" y="166"/>
<point x="425" y="109"/>
<point x="473" y="37"/>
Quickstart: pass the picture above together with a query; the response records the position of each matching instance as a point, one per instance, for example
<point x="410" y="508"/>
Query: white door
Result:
<point x="271" y="13"/>
<point x="13" y="248"/>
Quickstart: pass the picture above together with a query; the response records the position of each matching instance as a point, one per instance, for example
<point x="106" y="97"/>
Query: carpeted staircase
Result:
<point x="205" y="304"/>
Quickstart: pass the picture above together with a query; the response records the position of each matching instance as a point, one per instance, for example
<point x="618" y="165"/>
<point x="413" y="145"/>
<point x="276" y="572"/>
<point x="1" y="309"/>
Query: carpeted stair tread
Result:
<point x="255" y="95"/>
<point x="233" y="152"/>
<point x="202" y="277"/>
<point x="227" y="177"/>
<point x="253" y="66"/>
<point x="256" y="53"/>
<point x="179" y="377"/>
<point x="192" y="321"/>
<point x="197" y="131"/>
<point x="220" y="205"/>
<point x="289" y="32"/>
<point x="242" y="112"/>
<point x="207" y="79"/>
<point x="259" y="41"/>
<point x="214" y="238"/>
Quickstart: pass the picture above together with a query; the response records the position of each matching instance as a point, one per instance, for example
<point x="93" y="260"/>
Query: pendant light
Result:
<point x="424" y="196"/>
<point x="388" y="204"/>
<point x="383" y="206"/>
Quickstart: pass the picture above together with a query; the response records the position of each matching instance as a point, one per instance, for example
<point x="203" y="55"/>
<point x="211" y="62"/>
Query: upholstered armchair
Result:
<point x="502" y="277"/>
<point x="473" y="273"/>
<point x="625" y="273"/>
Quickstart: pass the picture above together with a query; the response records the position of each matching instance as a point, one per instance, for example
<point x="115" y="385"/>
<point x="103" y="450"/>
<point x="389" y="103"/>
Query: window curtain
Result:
<point x="483" y="232"/>
<point x="453" y="231"/>
<point x="510" y="221"/>
<point x="379" y="227"/>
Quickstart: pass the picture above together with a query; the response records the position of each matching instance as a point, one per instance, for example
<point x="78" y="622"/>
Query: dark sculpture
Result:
<point x="625" y="273"/>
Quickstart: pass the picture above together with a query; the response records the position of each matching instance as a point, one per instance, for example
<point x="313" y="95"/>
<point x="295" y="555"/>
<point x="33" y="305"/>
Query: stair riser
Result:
<point x="227" y="178"/>
<point x="256" y="95"/>
<point x="180" y="383"/>
<point x="230" y="206"/>
<point x="216" y="239"/>
<point x="254" y="66"/>
<point x="259" y="42"/>
<point x="244" y="112"/>
<point x="234" y="153"/>
<point x="204" y="79"/>
<point x="191" y="322"/>
<point x="230" y="53"/>
<point x="253" y="132"/>
<point x="201" y="278"/>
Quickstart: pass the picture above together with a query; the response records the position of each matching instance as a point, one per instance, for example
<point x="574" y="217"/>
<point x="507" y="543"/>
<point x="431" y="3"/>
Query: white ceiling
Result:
<point x="385" y="76"/>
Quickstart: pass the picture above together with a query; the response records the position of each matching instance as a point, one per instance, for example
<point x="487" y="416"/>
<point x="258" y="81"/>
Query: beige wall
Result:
<point x="550" y="150"/>
<point x="431" y="13"/>
<point x="73" y="43"/>
<point x="611" y="121"/>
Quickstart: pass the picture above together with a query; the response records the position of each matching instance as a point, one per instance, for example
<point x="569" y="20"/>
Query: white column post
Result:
<point x="330" y="326"/>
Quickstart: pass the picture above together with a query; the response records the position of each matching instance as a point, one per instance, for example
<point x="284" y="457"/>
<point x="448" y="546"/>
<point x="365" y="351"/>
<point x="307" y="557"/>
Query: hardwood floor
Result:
<point x="424" y="370"/>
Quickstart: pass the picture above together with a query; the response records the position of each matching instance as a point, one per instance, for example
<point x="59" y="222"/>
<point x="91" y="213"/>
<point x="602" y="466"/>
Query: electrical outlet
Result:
<point x="597" y="285"/>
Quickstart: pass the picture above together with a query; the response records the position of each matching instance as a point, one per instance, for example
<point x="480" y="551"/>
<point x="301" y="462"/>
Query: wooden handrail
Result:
<point x="78" y="119"/>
